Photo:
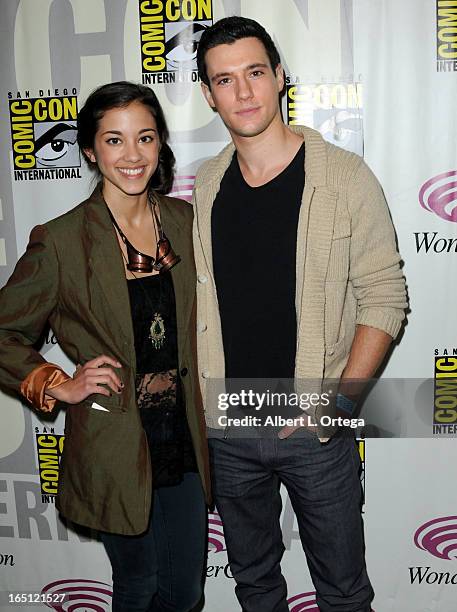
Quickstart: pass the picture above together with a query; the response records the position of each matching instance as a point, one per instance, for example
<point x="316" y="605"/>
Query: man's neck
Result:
<point x="264" y="156"/>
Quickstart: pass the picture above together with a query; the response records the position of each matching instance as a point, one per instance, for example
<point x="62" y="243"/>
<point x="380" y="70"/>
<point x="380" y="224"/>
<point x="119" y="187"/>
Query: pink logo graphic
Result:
<point x="438" y="537"/>
<point x="80" y="594"/>
<point x="216" y="540"/>
<point x="182" y="187"/>
<point x="304" y="602"/>
<point x="439" y="195"/>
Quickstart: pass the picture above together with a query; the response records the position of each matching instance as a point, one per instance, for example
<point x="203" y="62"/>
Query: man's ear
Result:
<point x="279" y="74"/>
<point x="89" y="153"/>
<point x="208" y="95"/>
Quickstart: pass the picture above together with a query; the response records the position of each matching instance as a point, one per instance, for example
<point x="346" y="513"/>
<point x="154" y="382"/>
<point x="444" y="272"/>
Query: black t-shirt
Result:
<point x="254" y="238"/>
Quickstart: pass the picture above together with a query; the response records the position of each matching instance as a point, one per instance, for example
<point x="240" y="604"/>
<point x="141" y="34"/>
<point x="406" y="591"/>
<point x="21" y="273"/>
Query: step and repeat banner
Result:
<point x="376" y="77"/>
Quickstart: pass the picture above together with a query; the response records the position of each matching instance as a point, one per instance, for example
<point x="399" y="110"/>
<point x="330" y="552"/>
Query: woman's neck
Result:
<point x="129" y="210"/>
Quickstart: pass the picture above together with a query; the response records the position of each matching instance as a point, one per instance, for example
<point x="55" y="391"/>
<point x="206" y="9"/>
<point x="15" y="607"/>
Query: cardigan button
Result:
<point x="201" y="327"/>
<point x="205" y="374"/>
<point x="184" y="371"/>
<point x="202" y="278"/>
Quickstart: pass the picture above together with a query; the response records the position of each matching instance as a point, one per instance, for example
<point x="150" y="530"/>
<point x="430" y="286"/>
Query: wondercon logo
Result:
<point x="439" y="195"/>
<point x="216" y="540"/>
<point x="304" y="602"/>
<point x="182" y="187"/>
<point x="79" y="594"/>
<point x="438" y="537"/>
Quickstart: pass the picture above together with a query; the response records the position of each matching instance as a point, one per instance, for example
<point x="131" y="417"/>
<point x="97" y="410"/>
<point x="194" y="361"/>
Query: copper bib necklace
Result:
<point x="165" y="257"/>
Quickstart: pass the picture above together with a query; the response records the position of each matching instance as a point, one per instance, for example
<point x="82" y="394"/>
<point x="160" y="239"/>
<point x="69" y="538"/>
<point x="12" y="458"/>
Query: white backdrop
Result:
<point x="377" y="77"/>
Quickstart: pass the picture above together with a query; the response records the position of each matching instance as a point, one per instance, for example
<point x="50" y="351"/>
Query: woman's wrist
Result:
<point x="40" y="381"/>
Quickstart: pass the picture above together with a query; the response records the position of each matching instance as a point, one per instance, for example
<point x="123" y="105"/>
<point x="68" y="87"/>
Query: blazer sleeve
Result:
<point x="26" y="302"/>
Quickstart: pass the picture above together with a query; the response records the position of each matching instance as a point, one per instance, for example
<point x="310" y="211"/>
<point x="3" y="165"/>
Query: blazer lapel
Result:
<point x="110" y="302"/>
<point x="183" y="273"/>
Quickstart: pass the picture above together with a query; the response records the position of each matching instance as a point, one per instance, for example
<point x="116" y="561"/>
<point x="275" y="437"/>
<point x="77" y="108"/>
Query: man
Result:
<point x="298" y="277"/>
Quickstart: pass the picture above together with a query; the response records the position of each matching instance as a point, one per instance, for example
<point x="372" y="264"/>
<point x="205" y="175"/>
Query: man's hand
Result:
<point x="368" y="350"/>
<point x="88" y="379"/>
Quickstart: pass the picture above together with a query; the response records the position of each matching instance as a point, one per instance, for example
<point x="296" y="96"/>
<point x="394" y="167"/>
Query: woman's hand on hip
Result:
<point x="88" y="379"/>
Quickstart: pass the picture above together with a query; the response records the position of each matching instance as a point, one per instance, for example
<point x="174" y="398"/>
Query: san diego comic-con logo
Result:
<point x="362" y="453"/>
<point x="49" y="451"/>
<point x="437" y="537"/>
<point x="77" y="594"/>
<point x="446" y="35"/>
<point x="170" y="31"/>
<point x="334" y="109"/>
<point x="438" y="195"/>
<point x="43" y="135"/>
<point x="445" y="392"/>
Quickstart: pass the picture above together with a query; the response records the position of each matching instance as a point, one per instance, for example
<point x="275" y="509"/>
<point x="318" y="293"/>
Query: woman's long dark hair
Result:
<point x="117" y="95"/>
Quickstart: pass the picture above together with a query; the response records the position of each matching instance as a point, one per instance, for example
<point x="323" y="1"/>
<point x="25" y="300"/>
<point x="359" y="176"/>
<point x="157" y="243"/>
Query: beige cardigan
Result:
<point x="347" y="264"/>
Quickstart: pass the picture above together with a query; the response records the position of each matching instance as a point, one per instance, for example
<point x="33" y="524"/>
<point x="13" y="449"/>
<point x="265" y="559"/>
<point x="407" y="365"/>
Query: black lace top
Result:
<point x="158" y="388"/>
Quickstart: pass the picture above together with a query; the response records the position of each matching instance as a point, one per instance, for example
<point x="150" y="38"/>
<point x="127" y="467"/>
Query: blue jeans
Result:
<point x="162" y="569"/>
<point x="324" y="487"/>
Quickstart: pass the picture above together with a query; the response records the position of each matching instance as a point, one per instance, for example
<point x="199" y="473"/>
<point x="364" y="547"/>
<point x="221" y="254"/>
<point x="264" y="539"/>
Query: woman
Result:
<point x="121" y="304"/>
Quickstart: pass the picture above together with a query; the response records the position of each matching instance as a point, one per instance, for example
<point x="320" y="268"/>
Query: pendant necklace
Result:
<point x="141" y="262"/>
<point x="157" y="331"/>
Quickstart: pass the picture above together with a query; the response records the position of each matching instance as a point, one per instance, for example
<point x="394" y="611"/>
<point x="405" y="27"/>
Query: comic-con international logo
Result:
<point x="49" y="451"/>
<point x="438" y="195"/>
<point x="446" y="35"/>
<point x="438" y="538"/>
<point x="170" y="31"/>
<point x="362" y="453"/>
<point x="334" y="109"/>
<point x="43" y="137"/>
<point x="445" y="392"/>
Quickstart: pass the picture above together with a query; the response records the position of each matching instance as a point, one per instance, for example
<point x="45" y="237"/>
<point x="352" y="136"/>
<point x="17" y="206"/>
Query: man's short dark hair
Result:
<point x="228" y="30"/>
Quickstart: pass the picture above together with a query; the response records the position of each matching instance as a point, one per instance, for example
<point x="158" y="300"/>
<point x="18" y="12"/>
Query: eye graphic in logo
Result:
<point x="304" y="602"/>
<point x="182" y="43"/>
<point x="439" y="195"/>
<point x="216" y="540"/>
<point x="55" y="145"/>
<point x="340" y="127"/>
<point x="438" y="537"/>
<point x="182" y="187"/>
<point x="79" y="595"/>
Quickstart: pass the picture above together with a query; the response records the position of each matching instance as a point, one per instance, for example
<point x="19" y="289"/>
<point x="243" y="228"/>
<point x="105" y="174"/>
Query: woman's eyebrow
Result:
<point x="118" y="133"/>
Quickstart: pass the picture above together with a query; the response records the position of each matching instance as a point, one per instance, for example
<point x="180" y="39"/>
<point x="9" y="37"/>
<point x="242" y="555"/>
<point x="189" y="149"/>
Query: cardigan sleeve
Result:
<point x="26" y="302"/>
<point x="377" y="280"/>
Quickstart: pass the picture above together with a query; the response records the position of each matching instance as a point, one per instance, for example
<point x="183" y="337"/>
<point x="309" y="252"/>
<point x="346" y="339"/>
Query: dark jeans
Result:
<point x="324" y="487"/>
<point x="162" y="569"/>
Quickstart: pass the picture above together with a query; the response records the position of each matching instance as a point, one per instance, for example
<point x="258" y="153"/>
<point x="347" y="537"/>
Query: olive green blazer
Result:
<point x="72" y="275"/>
